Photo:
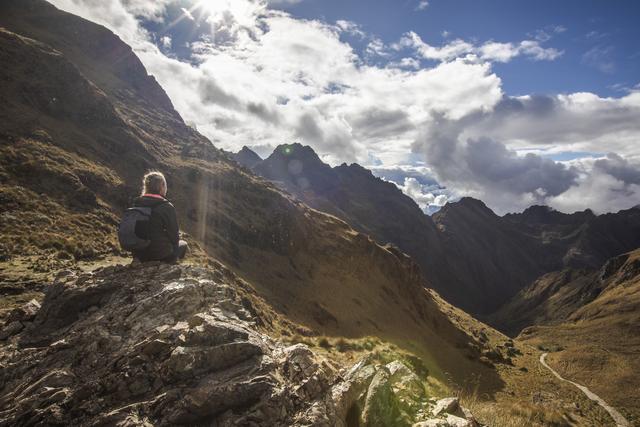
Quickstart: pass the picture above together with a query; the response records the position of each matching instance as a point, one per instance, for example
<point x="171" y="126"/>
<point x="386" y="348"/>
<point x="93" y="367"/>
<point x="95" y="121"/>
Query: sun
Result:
<point x="244" y="12"/>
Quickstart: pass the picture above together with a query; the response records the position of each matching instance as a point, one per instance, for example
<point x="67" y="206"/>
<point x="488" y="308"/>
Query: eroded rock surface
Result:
<point x="167" y="345"/>
<point x="153" y="344"/>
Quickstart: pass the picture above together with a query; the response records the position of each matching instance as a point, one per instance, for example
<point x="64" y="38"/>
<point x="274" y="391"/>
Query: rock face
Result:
<point x="164" y="345"/>
<point x="156" y="344"/>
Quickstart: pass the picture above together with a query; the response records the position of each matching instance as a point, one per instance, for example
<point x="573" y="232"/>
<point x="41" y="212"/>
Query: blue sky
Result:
<point x="608" y="29"/>
<point x="513" y="102"/>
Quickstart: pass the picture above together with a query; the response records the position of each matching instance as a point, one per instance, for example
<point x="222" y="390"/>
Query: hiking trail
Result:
<point x="619" y="419"/>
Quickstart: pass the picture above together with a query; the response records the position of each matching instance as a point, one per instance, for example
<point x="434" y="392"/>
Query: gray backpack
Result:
<point x="134" y="218"/>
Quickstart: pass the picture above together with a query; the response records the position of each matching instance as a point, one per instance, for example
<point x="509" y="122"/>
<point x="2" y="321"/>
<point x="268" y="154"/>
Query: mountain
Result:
<point x="474" y="258"/>
<point x="495" y="257"/>
<point x="247" y="157"/>
<point x="368" y="203"/>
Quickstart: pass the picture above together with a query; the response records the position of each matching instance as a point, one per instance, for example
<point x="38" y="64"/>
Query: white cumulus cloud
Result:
<point x="261" y="77"/>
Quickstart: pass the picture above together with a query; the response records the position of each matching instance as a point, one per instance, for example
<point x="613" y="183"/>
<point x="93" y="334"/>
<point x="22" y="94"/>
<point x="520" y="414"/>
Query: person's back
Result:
<point x="161" y="229"/>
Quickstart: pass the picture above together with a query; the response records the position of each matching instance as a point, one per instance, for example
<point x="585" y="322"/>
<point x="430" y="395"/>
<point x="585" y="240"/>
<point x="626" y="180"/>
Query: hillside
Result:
<point x="598" y="343"/>
<point x="474" y="258"/>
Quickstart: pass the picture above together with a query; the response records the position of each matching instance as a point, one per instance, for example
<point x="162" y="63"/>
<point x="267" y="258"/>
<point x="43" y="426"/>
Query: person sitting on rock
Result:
<point x="162" y="229"/>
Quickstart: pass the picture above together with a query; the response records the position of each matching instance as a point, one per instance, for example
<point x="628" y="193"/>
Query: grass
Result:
<point x="518" y="414"/>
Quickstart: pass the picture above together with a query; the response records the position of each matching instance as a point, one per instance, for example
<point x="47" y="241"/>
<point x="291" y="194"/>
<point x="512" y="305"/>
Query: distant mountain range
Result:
<point x="474" y="258"/>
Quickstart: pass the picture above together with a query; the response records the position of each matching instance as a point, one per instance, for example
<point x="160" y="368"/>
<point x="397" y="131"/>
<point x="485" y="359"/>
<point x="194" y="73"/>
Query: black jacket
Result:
<point x="162" y="229"/>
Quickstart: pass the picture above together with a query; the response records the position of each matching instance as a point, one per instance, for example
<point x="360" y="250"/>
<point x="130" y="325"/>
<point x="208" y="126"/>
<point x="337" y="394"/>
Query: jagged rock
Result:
<point x="455" y="421"/>
<point x="436" y="422"/>
<point x="346" y="393"/>
<point x="406" y="386"/>
<point x="24" y="313"/>
<point x="466" y="414"/>
<point x="381" y="405"/>
<point x="156" y="344"/>
<point x="11" y="329"/>
<point x="446" y="405"/>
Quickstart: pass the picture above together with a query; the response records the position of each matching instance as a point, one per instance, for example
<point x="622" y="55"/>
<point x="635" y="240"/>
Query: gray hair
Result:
<point x="153" y="183"/>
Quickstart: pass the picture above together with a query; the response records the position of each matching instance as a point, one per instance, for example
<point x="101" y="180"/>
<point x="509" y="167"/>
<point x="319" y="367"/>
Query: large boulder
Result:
<point x="158" y="345"/>
<point x="381" y="405"/>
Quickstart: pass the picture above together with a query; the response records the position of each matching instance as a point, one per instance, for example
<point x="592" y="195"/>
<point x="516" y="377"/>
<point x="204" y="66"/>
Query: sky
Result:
<point x="514" y="103"/>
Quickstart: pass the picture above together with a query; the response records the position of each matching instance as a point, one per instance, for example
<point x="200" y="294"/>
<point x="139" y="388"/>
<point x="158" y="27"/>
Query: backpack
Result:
<point x="133" y="219"/>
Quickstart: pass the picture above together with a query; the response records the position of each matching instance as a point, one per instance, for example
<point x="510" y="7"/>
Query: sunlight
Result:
<point x="243" y="12"/>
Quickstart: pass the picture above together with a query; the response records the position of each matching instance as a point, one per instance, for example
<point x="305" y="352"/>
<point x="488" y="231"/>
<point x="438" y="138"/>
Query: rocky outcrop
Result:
<point x="161" y="345"/>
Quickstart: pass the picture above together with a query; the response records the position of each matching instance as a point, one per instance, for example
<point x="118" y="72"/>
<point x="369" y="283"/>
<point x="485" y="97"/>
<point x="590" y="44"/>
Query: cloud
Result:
<point x="261" y="77"/>
<point x="283" y="2"/>
<point x="428" y="201"/>
<point x="545" y="34"/>
<point x="165" y="42"/>
<point x="478" y="154"/>
<point x="187" y="13"/>
<point x="599" y="191"/>
<point x="377" y="47"/>
<point x="351" y="27"/>
<point x="422" y="5"/>
<point x="489" y="51"/>
<point x="601" y="58"/>
<point x="418" y="183"/>
<point x="407" y="63"/>
<point x="620" y="168"/>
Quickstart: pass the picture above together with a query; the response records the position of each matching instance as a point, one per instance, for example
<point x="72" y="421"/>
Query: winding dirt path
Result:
<point x="617" y="416"/>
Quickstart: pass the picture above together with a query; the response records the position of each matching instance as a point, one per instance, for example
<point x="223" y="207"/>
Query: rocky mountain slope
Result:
<point x="369" y="204"/>
<point x="172" y="345"/>
<point x="246" y="157"/>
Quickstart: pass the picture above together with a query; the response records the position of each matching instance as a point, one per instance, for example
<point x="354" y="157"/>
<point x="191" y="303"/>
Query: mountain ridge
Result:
<point x="476" y="259"/>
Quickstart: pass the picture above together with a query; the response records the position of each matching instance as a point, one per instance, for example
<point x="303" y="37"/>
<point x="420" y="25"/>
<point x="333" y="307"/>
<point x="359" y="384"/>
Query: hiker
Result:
<point x="150" y="228"/>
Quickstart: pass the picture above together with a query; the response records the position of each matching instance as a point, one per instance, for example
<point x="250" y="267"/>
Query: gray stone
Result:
<point x="436" y="422"/>
<point x="446" y="405"/>
<point x="11" y="329"/>
<point x="381" y="405"/>
<point x="455" y="421"/>
<point x="25" y="313"/>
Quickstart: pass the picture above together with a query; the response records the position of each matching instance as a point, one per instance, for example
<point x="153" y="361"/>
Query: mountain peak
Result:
<point x="296" y="151"/>
<point x="541" y="214"/>
<point x="466" y="204"/>
<point x="247" y="157"/>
